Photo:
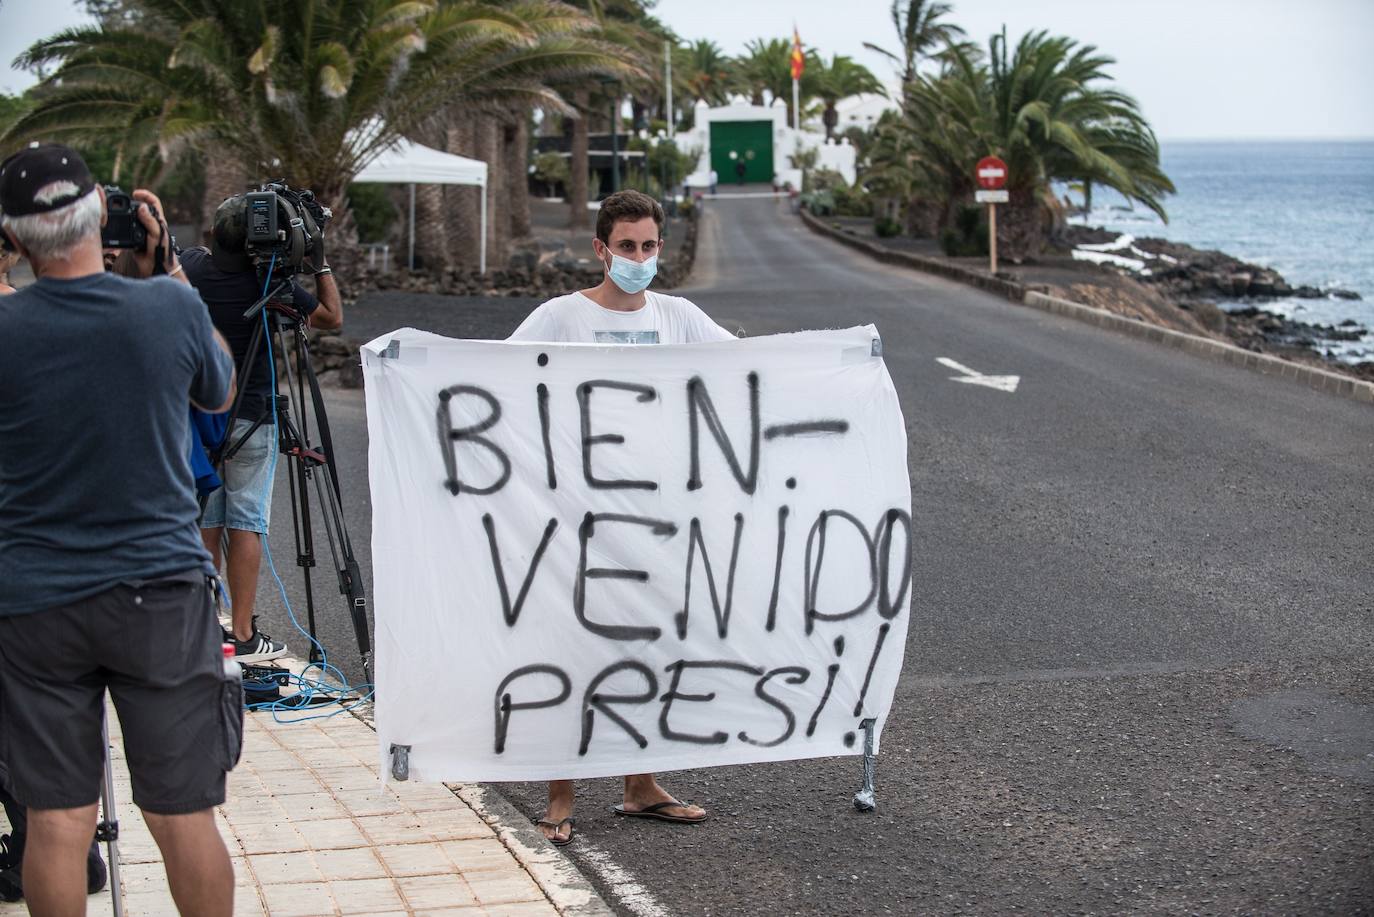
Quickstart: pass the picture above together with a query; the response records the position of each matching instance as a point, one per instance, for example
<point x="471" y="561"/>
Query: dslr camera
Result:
<point x="122" y="228"/>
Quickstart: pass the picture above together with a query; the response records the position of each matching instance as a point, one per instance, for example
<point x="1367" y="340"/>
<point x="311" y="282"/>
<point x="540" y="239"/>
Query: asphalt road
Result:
<point x="1139" y="672"/>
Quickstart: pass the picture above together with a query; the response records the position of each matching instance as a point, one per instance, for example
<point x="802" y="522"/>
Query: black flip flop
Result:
<point x="656" y="812"/>
<point x="555" y="825"/>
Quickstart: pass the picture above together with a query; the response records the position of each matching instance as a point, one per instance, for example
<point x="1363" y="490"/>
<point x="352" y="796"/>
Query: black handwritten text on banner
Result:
<point x="594" y="560"/>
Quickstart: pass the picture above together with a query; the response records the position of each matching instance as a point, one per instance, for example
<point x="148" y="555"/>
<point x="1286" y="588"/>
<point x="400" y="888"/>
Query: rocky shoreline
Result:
<point x="1195" y="280"/>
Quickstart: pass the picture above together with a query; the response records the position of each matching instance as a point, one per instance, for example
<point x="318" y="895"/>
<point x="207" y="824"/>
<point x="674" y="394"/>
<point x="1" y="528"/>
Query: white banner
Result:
<point x="592" y="560"/>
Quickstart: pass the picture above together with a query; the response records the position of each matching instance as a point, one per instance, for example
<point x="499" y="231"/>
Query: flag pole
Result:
<point x="796" y="104"/>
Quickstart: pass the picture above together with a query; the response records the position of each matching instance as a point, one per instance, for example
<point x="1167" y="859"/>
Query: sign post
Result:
<point x="991" y="175"/>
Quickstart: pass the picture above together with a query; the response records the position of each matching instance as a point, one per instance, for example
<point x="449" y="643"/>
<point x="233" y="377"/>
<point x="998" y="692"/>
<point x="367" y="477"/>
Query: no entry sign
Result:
<point x="991" y="173"/>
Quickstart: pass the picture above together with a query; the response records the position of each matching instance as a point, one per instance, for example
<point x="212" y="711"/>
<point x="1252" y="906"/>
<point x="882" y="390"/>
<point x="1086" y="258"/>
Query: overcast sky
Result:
<point x="1200" y="68"/>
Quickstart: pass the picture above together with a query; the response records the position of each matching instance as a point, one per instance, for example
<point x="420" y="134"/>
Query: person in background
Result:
<point x="227" y="281"/>
<point x="8" y="260"/>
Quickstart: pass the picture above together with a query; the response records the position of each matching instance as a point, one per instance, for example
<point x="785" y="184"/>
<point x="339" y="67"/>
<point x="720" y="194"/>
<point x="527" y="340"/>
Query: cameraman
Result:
<point x="103" y="580"/>
<point x="226" y="279"/>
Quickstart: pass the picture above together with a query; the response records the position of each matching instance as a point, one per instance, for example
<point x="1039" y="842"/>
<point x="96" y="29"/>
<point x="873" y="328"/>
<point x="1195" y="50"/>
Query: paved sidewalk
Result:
<point x="312" y="832"/>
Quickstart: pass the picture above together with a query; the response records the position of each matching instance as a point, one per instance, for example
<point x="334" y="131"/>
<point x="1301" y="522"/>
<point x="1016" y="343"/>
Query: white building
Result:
<point x="754" y="143"/>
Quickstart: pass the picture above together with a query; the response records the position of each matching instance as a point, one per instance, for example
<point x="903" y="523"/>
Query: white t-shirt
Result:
<point x="574" y="318"/>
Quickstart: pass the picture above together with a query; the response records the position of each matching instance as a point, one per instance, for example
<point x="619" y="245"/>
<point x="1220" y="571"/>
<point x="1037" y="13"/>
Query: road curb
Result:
<point x="1218" y="351"/>
<point x="1008" y="289"/>
<point x="1313" y="377"/>
<point x="567" y="889"/>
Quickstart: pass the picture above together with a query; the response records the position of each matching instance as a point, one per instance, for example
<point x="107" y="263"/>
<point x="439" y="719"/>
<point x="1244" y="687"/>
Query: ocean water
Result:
<point x="1303" y="208"/>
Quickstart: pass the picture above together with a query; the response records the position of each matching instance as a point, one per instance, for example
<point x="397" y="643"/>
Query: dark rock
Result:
<point x="525" y="260"/>
<point x="1306" y="292"/>
<point x="1345" y="294"/>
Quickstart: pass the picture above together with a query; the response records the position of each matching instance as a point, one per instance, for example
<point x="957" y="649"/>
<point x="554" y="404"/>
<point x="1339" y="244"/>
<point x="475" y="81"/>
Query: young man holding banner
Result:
<point x="621" y="310"/>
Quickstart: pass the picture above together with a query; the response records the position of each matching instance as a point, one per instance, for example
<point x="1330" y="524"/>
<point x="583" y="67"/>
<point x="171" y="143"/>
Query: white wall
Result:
<point x="839" y="157"/>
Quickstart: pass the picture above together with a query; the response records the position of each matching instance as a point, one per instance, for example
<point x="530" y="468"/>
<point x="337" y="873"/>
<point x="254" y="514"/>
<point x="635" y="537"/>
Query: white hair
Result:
<point x="51" y="236"/>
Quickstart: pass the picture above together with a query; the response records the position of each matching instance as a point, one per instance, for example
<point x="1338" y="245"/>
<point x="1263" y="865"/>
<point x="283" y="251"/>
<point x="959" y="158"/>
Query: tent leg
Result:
<point x="412" y="226"/>
<point x="482" y="249"/>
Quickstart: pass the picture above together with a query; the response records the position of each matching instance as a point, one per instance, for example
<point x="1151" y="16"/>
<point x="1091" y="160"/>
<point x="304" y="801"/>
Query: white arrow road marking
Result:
<point x="973" y="377"/>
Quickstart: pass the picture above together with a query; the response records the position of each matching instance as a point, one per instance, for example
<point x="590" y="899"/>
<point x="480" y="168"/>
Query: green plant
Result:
<point x="373" y="211"/>
<point x="820" y="203"/>
<point x="823" y="180"/>
<point x="1048" y="109"/>
<point x="852" y="201"/>
<point x="968" y="236"/>
<point x="919" y="28"/>
<point x="885" y="228"/>
<point x="312" y="92"/>
<point x="840" y="79"/>
<point x="551" y="169"/>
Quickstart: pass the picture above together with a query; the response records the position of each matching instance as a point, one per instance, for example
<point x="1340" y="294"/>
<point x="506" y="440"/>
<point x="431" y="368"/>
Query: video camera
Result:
<point x="282" y="228"/>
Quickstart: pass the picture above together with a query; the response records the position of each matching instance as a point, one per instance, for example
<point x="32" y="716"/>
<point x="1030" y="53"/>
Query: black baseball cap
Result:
<point x="43" y="177"/>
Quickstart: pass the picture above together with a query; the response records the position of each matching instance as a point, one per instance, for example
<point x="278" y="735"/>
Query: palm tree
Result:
<point x="919" y="29"/>
<point x="707" y="72"/>
<point x="311" y="93"/>
<point x="840" y="79"/>
<point x="1045" y="111"/>
<point x="619" y="25"/>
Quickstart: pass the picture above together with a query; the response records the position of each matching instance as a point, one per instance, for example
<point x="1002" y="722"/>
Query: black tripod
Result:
<point x="307" y="465"/>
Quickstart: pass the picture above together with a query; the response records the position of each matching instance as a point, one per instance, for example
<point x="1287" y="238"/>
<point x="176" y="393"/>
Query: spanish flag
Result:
<point x="798" y="60"/>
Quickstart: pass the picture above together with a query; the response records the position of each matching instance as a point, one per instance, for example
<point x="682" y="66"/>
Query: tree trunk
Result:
<point x="490" y="134"/>
<point x="516" y="154"/>
<point x="461" y="203"/>
<point x="830" y="119"/>
<point x="1021" y="226"/>
<point x="224" y="177"/>
<point x="577" y="181"/>
<point x="341" y="248"/>
<point x="923" y="218"/>
<point x="432" y="248"/>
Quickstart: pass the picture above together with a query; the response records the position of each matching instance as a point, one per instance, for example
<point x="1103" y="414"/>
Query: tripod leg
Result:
<point x="345" y="565"/>
<point x="108" y="829"/>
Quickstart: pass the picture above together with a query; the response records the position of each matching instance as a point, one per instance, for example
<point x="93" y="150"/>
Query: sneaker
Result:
<point x="257" y="648"/>
<point x="11" y="867"/>
<point x="96" y="873"/>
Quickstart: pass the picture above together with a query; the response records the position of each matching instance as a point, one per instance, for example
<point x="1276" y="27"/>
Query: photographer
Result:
<point x="8" y="260"/>
<point x="103" y="580"/>
<point x="227" y="280"/>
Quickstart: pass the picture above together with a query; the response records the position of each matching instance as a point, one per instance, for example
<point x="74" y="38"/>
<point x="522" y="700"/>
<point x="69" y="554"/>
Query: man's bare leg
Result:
<point x="245" y="558"/>
<point x="55" y="861"/>
<point x="199" y="873"/>
<point x="211" y="538"/>
<point x="642" y="791"/>
<point x="561" y="800"/>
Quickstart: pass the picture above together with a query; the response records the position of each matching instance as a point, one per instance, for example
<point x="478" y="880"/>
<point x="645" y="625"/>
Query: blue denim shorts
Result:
<point x="245" y="500"/>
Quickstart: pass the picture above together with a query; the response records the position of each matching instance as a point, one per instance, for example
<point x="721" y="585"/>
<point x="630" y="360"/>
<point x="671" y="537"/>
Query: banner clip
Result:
<point x="400" y="757"/>
<point x="864" y="800"/>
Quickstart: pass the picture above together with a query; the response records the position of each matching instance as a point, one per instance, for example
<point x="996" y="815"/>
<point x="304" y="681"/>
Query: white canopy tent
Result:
<point x="408" y="163"/>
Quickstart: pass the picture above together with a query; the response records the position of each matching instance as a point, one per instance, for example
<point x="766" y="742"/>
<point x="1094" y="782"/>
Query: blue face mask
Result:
<point x="633" y="276"/>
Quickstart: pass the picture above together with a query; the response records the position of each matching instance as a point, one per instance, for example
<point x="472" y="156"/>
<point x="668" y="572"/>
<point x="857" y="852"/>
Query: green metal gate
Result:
<point x="750" y="142"/>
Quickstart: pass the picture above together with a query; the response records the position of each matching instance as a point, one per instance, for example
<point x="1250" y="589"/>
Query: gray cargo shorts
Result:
<point x="155" y="646"/>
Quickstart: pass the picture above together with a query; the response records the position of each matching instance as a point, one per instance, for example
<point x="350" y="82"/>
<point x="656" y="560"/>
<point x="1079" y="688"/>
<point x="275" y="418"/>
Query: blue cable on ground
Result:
<point x="308" y="688"/>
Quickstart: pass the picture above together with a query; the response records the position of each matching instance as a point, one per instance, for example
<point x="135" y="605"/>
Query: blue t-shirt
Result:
<point x="96" y="374"/>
